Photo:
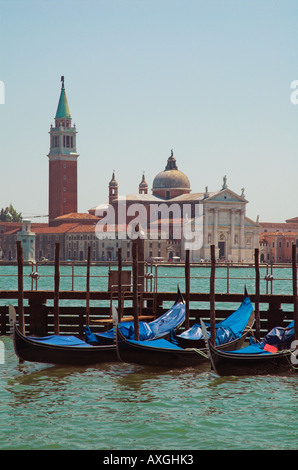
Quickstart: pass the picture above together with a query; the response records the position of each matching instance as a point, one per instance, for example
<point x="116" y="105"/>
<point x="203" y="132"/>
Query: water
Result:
<point x="126" y="407"/>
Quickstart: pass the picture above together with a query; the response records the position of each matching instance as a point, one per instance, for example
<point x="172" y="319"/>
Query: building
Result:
<point x="276" y="240"/>
<point x="220" y="217"/>
<point x="172" y="217"/>
<point x="62" y="162"/>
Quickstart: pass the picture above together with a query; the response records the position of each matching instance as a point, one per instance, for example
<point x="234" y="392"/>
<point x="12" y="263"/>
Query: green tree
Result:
<point x="9" y="214"/>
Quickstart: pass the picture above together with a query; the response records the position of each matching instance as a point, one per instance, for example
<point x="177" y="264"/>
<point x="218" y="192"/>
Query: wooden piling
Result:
<point x="135" y="289"/>
<point x="187" y="289"/>
<point x="56" y="290"/>
<point x="20" y="287"/>
<point x="120" y="288"/>
<point x="294" y="276"/>
<point x="257" y="295"/>
<point x="212" y="295"/>
<point x="88" y="285"/>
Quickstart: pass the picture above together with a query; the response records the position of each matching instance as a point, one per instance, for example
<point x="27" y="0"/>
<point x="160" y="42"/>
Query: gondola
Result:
<point x="167" y="353"/>
<point x="272" y="355"/>
<point x="227" y="330"/>
<point x="70" y="350"/>
<point x="159" y="328"/>
<point x="62" y="350"/>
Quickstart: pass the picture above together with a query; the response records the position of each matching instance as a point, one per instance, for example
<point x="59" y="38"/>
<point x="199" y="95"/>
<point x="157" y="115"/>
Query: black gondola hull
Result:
<point x="229" y="364"/>
<point x="37" y="350"/>
<point x="158" y="357"/>
<point x="34" y="351"/>
<point x="136" y="353"/>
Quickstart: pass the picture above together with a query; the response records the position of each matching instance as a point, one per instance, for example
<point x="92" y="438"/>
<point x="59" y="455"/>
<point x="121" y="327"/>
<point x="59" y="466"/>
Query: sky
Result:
<point x="209" y="79"/>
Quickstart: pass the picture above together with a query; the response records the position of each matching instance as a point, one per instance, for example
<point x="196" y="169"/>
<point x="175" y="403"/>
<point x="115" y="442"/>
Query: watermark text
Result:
<point x="154" y="221"/>
<point x="2" y="353"/>
<point x="2" y="92"/>
<point x="294" y="94"/>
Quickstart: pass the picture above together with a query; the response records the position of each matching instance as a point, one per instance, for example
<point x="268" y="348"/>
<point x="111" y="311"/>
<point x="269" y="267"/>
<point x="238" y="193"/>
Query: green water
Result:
<point x="124" y="407"/>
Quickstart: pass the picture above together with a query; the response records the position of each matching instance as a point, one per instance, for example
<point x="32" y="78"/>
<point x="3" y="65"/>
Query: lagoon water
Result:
<point x="125" y="407"/>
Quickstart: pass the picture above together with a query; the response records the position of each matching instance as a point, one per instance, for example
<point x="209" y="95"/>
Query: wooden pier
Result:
<point x="39" y="318"/>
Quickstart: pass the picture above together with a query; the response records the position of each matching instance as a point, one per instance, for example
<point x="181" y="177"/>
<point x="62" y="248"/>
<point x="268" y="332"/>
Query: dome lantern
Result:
<point x="171" y="182"/>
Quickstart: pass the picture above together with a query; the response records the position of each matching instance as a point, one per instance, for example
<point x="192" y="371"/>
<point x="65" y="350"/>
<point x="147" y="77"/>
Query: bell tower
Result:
<point x="113" y="189"/>
<point x="63" y="158"/>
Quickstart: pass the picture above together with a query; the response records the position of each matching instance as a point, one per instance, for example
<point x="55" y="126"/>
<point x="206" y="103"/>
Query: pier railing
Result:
<point x="274" y="277"/>
<point x="39" y="310"/>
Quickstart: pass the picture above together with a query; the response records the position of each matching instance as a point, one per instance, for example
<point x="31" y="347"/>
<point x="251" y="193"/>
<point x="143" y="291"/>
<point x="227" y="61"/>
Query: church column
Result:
<point x="215" y="228"/>
<point x="232" y="243"/>
<point x="205" y="228"/>
<point x="242" y="236"/>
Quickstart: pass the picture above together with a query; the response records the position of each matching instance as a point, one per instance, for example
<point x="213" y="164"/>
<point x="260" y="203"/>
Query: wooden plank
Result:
<point x="257" y="295"/>
<point x="135" y="291"/>
<point x="212" y="295"/>
<point x="120" y="290"/>
<point x="20" y="287"/>
<point x="56" y="289"/>
<point x="88" y="285"/>
<point x="187" y="288"/>
<point x="294" y="275"/>
<point x="145" y="318"/>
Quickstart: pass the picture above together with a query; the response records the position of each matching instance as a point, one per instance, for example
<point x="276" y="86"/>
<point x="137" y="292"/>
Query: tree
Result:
<point x="9" y="214"/>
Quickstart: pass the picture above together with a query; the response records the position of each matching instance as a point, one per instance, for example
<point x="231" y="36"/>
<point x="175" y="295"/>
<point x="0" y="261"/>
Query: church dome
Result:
<point x="171" y="179"/>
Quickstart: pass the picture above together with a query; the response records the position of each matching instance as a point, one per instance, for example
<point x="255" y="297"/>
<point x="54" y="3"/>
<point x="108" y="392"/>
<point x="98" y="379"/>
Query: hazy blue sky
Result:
<point x="209" y="79"/>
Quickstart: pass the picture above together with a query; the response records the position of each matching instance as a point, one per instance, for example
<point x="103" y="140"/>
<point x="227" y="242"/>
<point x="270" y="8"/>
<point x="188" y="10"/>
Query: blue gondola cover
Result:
<point x="227" y="330"/>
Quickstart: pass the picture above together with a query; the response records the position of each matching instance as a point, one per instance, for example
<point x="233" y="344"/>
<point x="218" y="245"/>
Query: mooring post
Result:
<point x="20" y="287"/>
<point x="257" y="295"/>
<point x="88" y="285"/>
<point x="120" y="288"/>
<point x="212" y="294"/>
<point x="294" y="276"/>
<point x="187" y="289"/>
<point x="56" y="290"/>
<point x="135" y="289"/>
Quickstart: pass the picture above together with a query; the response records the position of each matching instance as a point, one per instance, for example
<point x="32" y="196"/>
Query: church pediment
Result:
<point x="226" y="195"/>
<point x="250" y="223"/>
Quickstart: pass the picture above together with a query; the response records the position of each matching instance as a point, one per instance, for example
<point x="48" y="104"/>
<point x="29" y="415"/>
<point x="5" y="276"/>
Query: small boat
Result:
<point x="70" y="350"/>
<point x="229" y="330"/>
<point x="273" y="355"/>
<point x="167" y="353"/>
<point x="60" y="349"/>
<point x="159" y="328"/>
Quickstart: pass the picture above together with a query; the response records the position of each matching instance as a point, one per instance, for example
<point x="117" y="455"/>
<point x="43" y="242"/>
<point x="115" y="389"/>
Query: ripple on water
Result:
<point x="119" y="406"/>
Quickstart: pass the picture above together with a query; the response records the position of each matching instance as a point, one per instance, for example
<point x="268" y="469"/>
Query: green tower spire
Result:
<point x="63" y="109"/>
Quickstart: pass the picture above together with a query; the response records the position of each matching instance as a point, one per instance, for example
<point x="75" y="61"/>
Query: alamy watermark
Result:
<point x="154" y="222"/>
<point x="294" y="354"/>
<point x="2" y="92"/>
<point x="294" y="94"/>
<point x="2" y="353"/>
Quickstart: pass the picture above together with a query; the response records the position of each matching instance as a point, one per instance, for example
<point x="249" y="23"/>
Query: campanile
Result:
<point x="63" y="158"/>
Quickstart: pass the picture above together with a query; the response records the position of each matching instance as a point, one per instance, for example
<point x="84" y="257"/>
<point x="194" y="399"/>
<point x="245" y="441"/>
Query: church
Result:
<point x="220" y="217"/>
<point x="171" y="210"/>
